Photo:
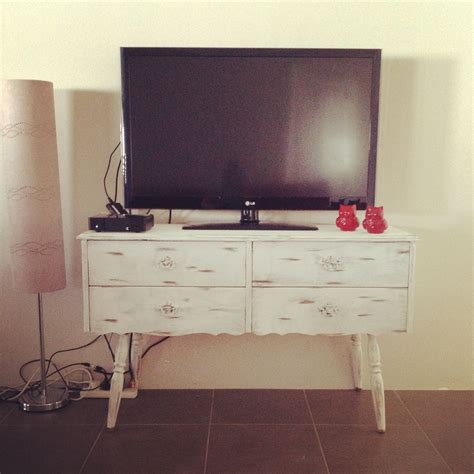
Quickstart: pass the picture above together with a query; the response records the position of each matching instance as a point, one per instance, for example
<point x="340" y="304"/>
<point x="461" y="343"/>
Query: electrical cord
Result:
<point x="109" y="346"/>
<point x="70" y="350"/>
<point x="104" y="384"/>
<point x="107" y="171"/>
<point x="18" y="393"/>
<point x="169" y="215"/>
<point x="116" y="179"/>
<point x="28" y="384"/>
<point x="153" y="345"/>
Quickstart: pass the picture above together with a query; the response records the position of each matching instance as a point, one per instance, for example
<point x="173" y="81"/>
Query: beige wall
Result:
<point x="423" y="178"/>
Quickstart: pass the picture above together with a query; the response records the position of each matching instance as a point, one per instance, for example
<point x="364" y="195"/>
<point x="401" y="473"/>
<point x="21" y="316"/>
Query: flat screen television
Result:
<point x="237" y="128"/>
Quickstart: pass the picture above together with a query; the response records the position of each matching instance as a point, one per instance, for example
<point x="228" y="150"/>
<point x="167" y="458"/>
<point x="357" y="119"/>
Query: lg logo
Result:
<point x="249" y="203"/>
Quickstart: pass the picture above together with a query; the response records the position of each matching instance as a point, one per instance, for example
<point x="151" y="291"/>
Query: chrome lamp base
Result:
<point x="43" y="398"/>
<point x="52" y="399"/>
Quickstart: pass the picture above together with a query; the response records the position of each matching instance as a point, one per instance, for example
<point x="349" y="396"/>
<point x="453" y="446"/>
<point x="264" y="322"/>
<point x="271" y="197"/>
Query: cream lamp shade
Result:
<point x="31" y="177"/>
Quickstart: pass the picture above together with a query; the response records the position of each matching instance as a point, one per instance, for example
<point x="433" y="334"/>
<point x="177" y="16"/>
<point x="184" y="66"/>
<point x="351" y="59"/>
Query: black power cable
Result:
<point x="105" y="384"/>
<point x="107" y="171"/>
<point x="69" y="350"/>
<point x="109" y="346"/>
<point x="153" y="345"/>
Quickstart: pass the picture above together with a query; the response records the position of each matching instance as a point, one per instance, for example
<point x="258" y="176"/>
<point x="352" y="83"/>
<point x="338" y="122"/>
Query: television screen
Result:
<point x="212" y="128"/>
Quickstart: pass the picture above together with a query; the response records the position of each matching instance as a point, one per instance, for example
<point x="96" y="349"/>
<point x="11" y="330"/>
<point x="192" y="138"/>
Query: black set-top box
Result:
<point x="121" y="223"/>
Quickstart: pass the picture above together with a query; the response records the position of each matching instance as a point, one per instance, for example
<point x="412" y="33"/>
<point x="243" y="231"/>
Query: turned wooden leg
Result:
<point x="136" y="358"/>
<point x="357" y="360"/>
<point x="116" y="386"/>
<point x="376" y="383"/>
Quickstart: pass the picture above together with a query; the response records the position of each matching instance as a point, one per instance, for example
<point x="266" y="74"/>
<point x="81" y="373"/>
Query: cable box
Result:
<point x="121" y="223"/>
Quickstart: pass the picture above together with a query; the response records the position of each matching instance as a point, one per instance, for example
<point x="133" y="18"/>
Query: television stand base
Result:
<point x="249" y="226"/>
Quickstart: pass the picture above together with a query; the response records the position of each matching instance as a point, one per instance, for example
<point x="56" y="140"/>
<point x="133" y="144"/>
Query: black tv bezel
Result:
<point x="134" y="201"/>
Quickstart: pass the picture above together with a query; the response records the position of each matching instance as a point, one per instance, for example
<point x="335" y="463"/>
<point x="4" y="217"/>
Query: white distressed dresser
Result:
<point x="169" y="281"/>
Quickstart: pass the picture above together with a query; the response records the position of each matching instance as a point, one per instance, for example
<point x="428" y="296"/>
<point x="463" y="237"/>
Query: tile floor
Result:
<point x="244" y="431"/>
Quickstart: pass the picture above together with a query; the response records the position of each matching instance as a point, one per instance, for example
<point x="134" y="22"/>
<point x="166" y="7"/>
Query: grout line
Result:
<point x="422" y="430"/>
<point x="159" y="424"/>
<point x="209" y="432"/>
<point x="7" y="413"/>
<point x="250" y="423"/>
<point x="316" y="432"/>
<point x="92" y="448"/>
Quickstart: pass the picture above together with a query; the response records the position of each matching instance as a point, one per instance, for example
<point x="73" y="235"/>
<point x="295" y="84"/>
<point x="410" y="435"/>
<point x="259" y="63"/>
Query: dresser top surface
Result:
<point x="167" y="232"/>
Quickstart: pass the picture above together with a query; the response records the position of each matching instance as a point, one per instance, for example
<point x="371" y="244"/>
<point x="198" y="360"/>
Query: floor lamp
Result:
<point x="30" y="159"/>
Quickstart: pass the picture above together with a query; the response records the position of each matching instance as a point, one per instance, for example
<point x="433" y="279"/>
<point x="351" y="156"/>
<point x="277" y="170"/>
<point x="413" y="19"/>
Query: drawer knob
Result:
<point x="332" y="263"/>
<point x="329" y="310"/>
<point x="168" y="309"/>
<point x="166" y="262"/>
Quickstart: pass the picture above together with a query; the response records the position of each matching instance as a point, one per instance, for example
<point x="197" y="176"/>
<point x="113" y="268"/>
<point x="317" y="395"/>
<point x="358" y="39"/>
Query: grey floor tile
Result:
<point x="5" y="409"/>
<point x="355" y="407"/>
<point x="440" y="407"/>
<point x="166" y="406"/>
<point x="260" y="406"/>
<point x="359" y="448"/>
<point x="150" y="449"/>
<point x="455" y="443"/>
<point x="45" y="449"/>
<point x="82" y="412"/>
<point x="264" y="449"/>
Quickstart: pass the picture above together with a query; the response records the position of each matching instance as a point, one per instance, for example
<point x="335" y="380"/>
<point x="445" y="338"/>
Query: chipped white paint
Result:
<point x="356" y="357"/>
<point x="85" y="284"/>
<point x="167" y="311"/>
<point x="135" y="358"/>
<point x="376" y="383"/>
<point x="128" y="263"/>
<point x="173" y="282"/>
<point x="328" y="310"/>
<point x="174" y="232"/>
<point x="331" y="264"/>
<point x="116" y="386"/>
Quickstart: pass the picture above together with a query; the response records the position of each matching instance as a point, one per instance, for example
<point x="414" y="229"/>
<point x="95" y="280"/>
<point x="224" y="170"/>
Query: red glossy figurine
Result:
<point x="374" y="223"/>
<point x="347" y="219"/>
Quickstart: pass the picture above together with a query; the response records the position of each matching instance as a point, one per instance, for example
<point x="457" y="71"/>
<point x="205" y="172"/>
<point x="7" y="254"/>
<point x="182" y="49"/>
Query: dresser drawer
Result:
<point x="329" y="310"/>
<point x="167" y="311"/>
<point x="147" y="263"/>
<point x="347" y="264"/>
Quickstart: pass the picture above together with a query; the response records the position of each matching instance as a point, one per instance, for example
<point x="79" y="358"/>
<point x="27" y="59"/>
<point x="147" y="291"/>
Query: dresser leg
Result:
<point x="376" y="383"/>
<point x="116" y="385"/>
<point x="136" y="358"/>
<point x="356" y="352"/>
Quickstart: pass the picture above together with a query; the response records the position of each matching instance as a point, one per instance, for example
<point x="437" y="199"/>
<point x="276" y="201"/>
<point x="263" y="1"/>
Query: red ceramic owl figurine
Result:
<point x="347" y="219"/>
<point x="374" y="223"/>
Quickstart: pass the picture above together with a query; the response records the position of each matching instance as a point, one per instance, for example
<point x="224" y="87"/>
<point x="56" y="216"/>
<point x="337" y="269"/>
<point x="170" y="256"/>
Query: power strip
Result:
<point x="126" y="393"/>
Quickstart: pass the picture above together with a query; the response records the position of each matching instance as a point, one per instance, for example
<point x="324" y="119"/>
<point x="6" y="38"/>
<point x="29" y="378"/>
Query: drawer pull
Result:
<point x="332" y="263"/>
<point x="166" y="262"/>
<point x="168" y="309"/>
<point x="329" y="310"/>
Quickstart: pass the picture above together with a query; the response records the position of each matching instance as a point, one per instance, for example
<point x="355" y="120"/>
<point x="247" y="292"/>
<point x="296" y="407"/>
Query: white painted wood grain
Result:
<point x="329" y="310"/>
<point x="376" y="383"/>
<point x="248" y="287"/>
<point x="85" y="285"/>
<point x="326" y="232"/>
<point x="135" y="358"/>
<point x="334" y="264"/>
<point x="411" y="288"/>
<point x="116" y="386"/>
<point x="167" y="311"/>
<point x="356" y="358"/>
<point x="130" y="263"/>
